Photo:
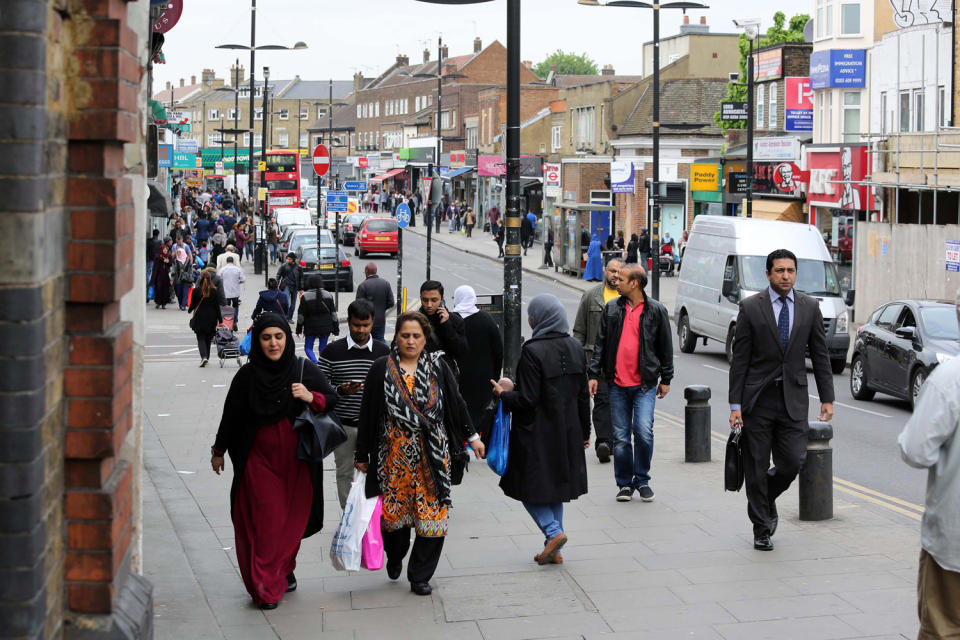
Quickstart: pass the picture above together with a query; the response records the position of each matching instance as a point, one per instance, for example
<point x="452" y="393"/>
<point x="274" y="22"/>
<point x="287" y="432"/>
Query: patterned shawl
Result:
<point x="420" y="414"/>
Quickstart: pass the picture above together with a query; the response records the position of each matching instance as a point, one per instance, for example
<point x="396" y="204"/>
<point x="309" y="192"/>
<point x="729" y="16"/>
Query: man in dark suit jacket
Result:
<point x="768" y="388"/>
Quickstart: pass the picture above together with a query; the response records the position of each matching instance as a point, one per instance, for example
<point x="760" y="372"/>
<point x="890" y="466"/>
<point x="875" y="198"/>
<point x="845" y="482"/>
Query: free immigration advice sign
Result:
<point x="832" y="68"/>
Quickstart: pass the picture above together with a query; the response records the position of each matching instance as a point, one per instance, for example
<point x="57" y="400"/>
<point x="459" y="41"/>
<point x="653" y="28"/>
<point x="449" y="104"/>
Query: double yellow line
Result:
<point x="908" y="509"/>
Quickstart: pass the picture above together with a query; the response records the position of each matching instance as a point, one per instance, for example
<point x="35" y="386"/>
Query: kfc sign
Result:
<point x="835" y="178"/>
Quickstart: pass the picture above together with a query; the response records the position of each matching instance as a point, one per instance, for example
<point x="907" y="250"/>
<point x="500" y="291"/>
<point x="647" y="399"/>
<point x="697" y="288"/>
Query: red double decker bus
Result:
<point x="282" y="179"/>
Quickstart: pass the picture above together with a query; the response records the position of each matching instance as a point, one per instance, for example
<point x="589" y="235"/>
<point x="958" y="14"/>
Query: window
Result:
<point x="376" y="108"/>
<point x="918" y="109"/>
<point x="555" y="138"/>
<point x="824" y="18"/>
<point x="416" y="104"/>
<point x="760" y="102"/>
<point x="213" y="114"/>
<point x="284" y="114"/>
<point x="889" y="316"/>
<point x="850" y="18"/>
<point x="322" y="112"/>
<point x="304" y="114"/>
<point x="585" y="127"/>
<point x="904" y="111"/>
<point x="258" y="113"/>
<point x="472" y="138"/>
<point x="234" y="114"/>
<point x="283" y="140"/>
<point x="376" y="143"/>
<point x="772" y="107"/>
<point x="258" y="139"/>
<point x="941" y="107"/>
<point x="359" y="111"/>
<point x="851" y="116"/>
<point x="246" y="140"/>
<point x="304" y="142"/>
<point x="213" y="139"/>
<point x="353" y="142"/>
<point x="883" y="113"/>
<point x="829" y="128"/>
<point x="446" y="120"/>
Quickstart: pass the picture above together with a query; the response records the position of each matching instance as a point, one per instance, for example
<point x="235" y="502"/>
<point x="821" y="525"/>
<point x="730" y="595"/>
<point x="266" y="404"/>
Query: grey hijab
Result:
<point x="547" y="315"/>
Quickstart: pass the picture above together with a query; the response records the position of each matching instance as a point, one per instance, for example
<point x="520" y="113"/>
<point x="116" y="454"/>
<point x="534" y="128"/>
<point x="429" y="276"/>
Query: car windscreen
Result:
<point x="282" y="185"/>
<point x="814" y="277"/>
<point x="381" y="226"/>
<point x="327" y="253"/>
<point x="940" y="323"/>
<point x="355" y="219"/>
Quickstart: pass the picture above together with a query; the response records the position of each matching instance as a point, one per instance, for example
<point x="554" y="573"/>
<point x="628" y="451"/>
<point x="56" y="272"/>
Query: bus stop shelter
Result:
<point x="578" y="221"/>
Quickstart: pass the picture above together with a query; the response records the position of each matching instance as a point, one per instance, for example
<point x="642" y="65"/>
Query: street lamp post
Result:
<point x="751" y="28"/>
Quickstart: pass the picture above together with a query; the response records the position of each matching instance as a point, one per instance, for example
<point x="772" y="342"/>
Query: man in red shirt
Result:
<point x="633" y="353"/>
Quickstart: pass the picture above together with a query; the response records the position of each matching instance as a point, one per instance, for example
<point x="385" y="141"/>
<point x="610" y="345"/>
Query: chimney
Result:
<point x="686" y="20"/>
<point x="607" y="70"/>
<point x="357" y="81"/>
<point x="444" y="51"/>
<point x="402" y="60"/>
<point x="193" y="79"/>
<point x="687" y="27"/>
<point x="236" y="75"/>
<point x="528" y="64"/>
<point x="181" y="83"/>
<point x="207" y="76"/>
<point x="703" y="20"/>
<point x="169" y="86"/>
<point x="426" y="56"/>
<point x="477" y="45"/>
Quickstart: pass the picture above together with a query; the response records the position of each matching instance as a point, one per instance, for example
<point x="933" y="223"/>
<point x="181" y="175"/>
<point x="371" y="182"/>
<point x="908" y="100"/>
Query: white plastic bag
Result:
<point x="345" y="550"/>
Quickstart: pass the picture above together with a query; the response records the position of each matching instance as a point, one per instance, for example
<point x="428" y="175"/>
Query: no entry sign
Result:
<point x="321" y="160"/>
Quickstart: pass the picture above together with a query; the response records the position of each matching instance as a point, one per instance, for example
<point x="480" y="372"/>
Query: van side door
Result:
<point x="728" y="298"/>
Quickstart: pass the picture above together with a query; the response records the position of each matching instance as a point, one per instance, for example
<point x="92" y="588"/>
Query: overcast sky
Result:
<point x="366" y="35"/>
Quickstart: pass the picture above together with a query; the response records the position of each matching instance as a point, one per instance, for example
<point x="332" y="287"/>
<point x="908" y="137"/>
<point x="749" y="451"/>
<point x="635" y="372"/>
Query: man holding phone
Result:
<point x="449" y="332"/>
<point x="345" y="363"/>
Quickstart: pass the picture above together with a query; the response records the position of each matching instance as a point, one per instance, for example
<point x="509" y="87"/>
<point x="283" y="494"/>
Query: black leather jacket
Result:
<point x="656" y="343"/>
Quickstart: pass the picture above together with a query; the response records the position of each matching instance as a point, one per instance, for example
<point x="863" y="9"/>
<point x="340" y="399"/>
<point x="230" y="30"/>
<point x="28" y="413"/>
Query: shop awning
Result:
<point x="446" y="173"/>
<point x="789" y="210"/>
<point x="387" y="175"/>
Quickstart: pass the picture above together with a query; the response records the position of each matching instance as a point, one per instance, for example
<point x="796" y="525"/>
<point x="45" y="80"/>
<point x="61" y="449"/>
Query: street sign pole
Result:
<point x="336" y="261"/>
<point x="403" y="219"/>
<point x="321" y="165"/>
<point x="512" y="265"/>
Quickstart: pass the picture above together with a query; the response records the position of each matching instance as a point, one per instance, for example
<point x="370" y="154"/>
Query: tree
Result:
<point x="737" y="91"/>
<point x="567" y="64"/>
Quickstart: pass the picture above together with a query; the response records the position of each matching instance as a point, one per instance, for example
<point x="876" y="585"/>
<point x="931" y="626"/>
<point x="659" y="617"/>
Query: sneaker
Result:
<point x="646" y="493"/>
<point x="625" y="494"/>
<point x="203" y="363"/>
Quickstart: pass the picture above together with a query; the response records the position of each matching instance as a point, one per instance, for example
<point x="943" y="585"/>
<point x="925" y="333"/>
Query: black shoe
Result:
<point x="625" y="494"/>
<point x="268" y="606"/>
<point x="393" y="570"/>
<point x="762" y="543"/>
<point x="646" y="493"/>
<point x="421" y="588"/>
<point x="291" y="582"/>
<point x="774" y="518"/>
<point x="603" y="452"/>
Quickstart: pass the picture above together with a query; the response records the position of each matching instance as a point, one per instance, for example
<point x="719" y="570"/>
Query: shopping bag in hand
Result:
<point x="246" y="343"/>
<point x="499" y="442"/>
<point x="371" y="549"/>
<point x="345" y="550"/>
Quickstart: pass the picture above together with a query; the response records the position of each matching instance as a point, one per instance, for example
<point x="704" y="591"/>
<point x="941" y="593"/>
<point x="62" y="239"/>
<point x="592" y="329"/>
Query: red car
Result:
<point x="377" y="235"/>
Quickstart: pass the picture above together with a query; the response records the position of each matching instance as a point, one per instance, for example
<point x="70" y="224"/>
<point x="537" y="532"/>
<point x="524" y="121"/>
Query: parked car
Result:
<point x="349" y="227"/>
<point x="326" y="265"/>
<point x="899" y="345"/>
<point x="377" y="235"/>
<point x="308" y="236"/>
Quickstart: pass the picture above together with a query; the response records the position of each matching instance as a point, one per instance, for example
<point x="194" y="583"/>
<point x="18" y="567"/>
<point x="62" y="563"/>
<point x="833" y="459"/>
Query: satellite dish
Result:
<point x="808" y="31"/>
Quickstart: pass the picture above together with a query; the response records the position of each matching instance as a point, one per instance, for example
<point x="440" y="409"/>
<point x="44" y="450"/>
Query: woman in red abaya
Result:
<point x="276" y="499"/>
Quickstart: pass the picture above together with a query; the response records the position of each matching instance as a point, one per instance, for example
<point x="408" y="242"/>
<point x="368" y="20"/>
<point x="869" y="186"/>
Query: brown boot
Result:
<point x="551" y="549"/>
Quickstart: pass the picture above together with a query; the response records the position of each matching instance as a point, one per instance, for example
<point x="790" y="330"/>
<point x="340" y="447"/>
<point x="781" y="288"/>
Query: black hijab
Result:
<point x="269" y="393"/>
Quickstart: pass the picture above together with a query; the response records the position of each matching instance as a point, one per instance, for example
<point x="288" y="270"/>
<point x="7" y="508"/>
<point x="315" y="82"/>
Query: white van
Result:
<point x="287" y="216"/>
<point x="725" y="261"/>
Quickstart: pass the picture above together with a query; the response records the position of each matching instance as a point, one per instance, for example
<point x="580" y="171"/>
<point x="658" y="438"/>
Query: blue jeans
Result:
<point x="631" y="411"/>
<point x="308" y="346"/>
<point x="549" y="517"/>
<point x="377" y="333"/>
<point x="149" y="271"/>
<point x="292" y="295"/>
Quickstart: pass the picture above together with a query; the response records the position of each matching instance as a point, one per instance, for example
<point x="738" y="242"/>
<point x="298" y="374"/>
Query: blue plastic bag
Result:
<point x="245" y="344"/>
<point x="150" y="293"/>
<point x="499" y="449"/>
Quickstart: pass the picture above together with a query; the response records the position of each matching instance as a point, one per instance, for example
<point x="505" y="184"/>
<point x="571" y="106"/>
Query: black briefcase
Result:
<point x="733" y="464"/>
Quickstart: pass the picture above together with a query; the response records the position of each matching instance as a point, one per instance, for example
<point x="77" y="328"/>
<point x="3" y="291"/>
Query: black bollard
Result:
<point x="816" y="476"/>
<point x="696" y="423"/>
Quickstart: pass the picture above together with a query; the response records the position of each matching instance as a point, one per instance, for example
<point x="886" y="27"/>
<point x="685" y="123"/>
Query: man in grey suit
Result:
<point x="768" y="388"/>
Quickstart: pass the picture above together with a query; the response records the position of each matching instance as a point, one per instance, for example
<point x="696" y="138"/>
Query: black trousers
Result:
<point x="547" y="250"/>
<point x="767" y="430"/>
<point x="602" y="422"/>
<point x="424" y="557"/>
<point x="203" y="344"/>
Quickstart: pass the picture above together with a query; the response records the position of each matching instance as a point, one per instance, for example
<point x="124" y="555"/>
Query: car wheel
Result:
<point x="361" y="253"/>
<point x="356" y="251"/>
<point x="728" y="346"/>
<point x="837" y="365"/>
<point x="859" y="387"/>
<point x="916" y="384"/>
<point x="688" y="339"/>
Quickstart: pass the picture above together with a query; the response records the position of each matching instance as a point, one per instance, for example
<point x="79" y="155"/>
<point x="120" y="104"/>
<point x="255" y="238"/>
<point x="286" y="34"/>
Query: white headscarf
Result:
<point x="465" y="301"/>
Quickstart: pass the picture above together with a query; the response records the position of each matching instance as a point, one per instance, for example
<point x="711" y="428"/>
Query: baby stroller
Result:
<point x="228" y="345"/>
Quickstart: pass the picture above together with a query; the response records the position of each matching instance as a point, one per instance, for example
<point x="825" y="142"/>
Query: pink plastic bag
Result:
<point x="371" y="548"/>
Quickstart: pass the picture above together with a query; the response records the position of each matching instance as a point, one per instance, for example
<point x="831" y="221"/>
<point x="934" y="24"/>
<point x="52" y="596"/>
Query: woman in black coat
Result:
<point x="485" y="361"/>
<point x="551" y="424"/>
<point x="205" y="310"/>
<point x="632" y="247"/>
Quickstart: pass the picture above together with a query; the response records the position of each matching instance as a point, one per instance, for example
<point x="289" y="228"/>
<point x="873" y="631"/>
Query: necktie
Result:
<point x="783" y="323"/>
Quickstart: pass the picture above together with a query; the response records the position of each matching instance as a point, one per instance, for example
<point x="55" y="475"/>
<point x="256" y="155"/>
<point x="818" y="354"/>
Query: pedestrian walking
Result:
<point x="272" y="300"/>
<point x="526" y="233"/>
<point x="233" y="278"/>
<point x="633" y="249"/>
<point x="929" y="441"/>
<point x="160" y="278"/>
<point x="153" y="244"/>
<point x="551" y="424"/>
<point x="345" y="363"/>
<point x="593" y="271"/>
<point x="290" y="276"/>
<point x="768" y="388"/>
<point x="206" y="314"/>
<point x="437" y="214"/>
<point x="548" y="248"/>
<point x="273" y="239"/>
<point x="453" y="216"/>
<point x="412" y="426"/>
<point x="182" y="276"/>
<point x="317" y="317"/>
<point x="484" y="360"/>
<point x="644" y="249"/>
<point x="470" y="222"/>
<point x="494" y="215"/>
<point x="585" y="327"/>
<point x="448" y="334"/>
<point x="498" y="238"/>
<point x="633" y="354"/>
<point x="379" y="293"/>
<point x="203" y="228"/>
<point x="219" y="240"/>
<point x="276" y="498"/>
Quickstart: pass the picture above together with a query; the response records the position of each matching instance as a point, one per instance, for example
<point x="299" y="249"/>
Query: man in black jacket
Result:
<point x="633" y="353"/>
<point x="768" y="388"/>
<point x="644" y="248"/>
<point x="380" y="293"/>
<point x="449" y="334"/>
<point x="290" y="277"/>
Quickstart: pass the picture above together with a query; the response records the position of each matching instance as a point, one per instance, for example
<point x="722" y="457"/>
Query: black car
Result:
<point x="898" y="347"/>
<point x="349" y="226"/>
<point x="327" y="266"/>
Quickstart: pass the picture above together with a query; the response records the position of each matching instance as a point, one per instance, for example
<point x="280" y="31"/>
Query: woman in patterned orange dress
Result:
<point x="412" y="426"/>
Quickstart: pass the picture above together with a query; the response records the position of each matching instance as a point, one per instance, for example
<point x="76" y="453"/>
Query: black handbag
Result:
<point x="319" y="433"/>
<point x="733" y="464"/>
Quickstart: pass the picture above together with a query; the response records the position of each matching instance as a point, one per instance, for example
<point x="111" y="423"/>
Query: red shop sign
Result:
<point x="829" y="170"/>
<point x="172" y="11"/>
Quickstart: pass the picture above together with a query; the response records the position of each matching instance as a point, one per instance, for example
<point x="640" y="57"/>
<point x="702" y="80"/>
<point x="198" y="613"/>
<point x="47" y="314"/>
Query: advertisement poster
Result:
<point x="622" y="176"/>
<point x="767" y="65"/>
<point x="838" y="68"/>
<point x="798" y="105"/>
<point x="953" y="255"/>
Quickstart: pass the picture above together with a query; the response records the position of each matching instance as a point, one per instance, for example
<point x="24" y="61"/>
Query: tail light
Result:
<point x="344" y="263"/>
<point x="363" y="235"/>
<point x="349" y="227"/>
<point x="302" y="263"/>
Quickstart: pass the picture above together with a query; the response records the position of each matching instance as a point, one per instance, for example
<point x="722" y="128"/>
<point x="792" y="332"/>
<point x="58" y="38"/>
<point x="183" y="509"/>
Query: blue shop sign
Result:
<point x="838" y="68"/>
